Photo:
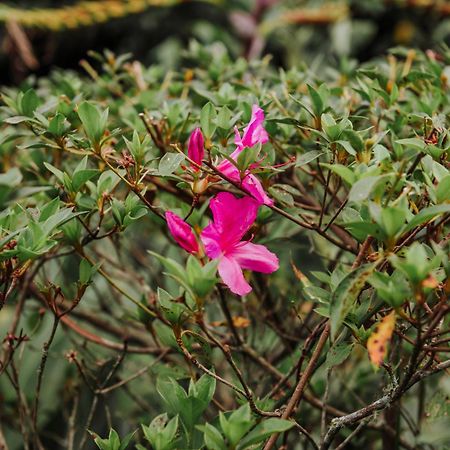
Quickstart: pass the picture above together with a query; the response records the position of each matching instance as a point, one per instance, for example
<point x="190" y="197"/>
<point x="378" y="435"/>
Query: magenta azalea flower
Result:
<point x="196" y="147"/>
<point x="182" y="232"/>
<point x="222" y="238"/>
<point x="254" y="133"/>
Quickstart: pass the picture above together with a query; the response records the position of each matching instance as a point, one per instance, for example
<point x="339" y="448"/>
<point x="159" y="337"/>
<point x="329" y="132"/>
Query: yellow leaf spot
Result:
<point x="238" y="322"/>
<point x="378" y="340"/>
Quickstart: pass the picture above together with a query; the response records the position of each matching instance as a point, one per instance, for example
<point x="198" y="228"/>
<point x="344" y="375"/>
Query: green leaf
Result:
<point x="316" y="100"/>
<point x="224" y="118"/>
<point x="92" y="120"/>
<point x="86" y="272"/>
<point x="203" y="389"/>
<point x="415" y="143"/>
<point x="55" y="171"/>
<point x="362" y="189"/>
<point x="30" y="102"/>
<point x="213" y="438"/>
<point x="11" y="178"/>
<point x="347" y="146"/>
<point x="172" y="393"/>
<point x="169" y="163"/>
<point x="344" y="172"/>
<point x="392" y="220"/>
<point x="330" y="127"/>
<point x="443" y="190"/>
<point x="49" y="209"/>
<point x="337" y="354"/>
<point x="126" y="440"/>
<point x="79" y="178"/>
<point x="239" y="422"/>
<point x="426" y="215"/>
<point x="263" y="430"/>
<point x="208" y="117"/>
<point x="306" y="158"/>
<point x="111" y="443"/>
<point x="354" y="138"/>
<point x="344" y="297"/>
<point x="247" y="157"/>
<point x="161" y="433"/>
<point x="173" y="311"/>
<point x="172" y="266"/>
<point x="57" y="125"/>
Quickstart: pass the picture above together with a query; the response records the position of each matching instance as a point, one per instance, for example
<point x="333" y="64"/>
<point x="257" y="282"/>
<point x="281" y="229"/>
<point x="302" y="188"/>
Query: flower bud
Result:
<point x="196" y="148"/>
<point x="200" y="186"/>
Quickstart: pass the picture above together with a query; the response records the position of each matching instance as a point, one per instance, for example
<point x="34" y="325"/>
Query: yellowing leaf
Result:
<point x="241" y="322"/>
<point x="430" y="282"/>
<point x="238" y="322"/>
<point x="300" y="275"/>
<point x="378" y="340"/>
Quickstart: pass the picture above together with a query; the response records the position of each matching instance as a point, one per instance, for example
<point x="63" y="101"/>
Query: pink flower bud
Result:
<point x="196" y="148"/>
<point x="182" y="232"/>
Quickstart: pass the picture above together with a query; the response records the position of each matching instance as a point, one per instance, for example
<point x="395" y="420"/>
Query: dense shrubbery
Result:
<point x="108" y="323"/>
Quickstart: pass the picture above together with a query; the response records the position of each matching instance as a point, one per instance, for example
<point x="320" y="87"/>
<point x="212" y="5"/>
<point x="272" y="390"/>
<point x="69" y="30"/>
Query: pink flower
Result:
<point x="196" y="148"/>
<point x="182" y="232"/>
<point x="254" y="133"/>
<point x="222" y="238"/>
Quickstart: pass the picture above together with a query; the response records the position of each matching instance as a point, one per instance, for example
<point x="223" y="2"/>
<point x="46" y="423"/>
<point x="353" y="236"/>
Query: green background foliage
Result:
<point x="109" y="327"/>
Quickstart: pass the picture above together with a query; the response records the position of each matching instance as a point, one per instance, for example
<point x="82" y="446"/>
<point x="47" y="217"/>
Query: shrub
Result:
<point x="133" y="200"/>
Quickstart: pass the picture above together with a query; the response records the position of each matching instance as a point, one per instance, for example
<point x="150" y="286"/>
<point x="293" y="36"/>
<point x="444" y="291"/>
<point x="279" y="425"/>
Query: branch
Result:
<point x="378" y="405"/>
<point x="298" y="392"/>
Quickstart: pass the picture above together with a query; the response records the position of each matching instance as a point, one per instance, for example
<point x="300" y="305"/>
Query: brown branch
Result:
<point x="301" y="385"/>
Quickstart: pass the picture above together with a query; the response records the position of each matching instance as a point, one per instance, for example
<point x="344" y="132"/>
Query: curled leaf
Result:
<point x="378" y="340"/>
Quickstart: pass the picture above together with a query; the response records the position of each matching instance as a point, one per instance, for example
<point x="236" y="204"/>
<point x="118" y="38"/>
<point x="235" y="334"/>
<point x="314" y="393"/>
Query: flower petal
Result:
<point x="255" y="257"/>
<point x="254" y="132"/>
<point x="232" y="216"/>
<point x="181" y="232"/>
<point x="254" y="187"/>
<point x="212" y="239"/>
<point x="250" y="182"/>
<point x="232" y="276"/>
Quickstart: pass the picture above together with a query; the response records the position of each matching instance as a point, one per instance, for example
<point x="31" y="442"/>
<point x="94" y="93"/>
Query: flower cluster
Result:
<point x="254" y="133"/>
<point x="222" y="239"/>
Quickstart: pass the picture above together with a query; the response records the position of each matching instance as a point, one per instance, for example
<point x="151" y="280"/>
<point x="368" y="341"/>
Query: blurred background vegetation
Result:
<point x="37" y="36"/>
<point x="40" y="34"/>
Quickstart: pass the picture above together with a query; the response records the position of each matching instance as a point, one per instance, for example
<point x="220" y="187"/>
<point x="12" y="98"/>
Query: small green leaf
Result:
<point x="30" y="102"/>
<point x="55" y="171"/>
<point x="213" y="438"/>
<point x="263" y="430"/>
<point x="169" y="163"/>
<point x="343" y="171"/>
<point x="208" y="117"/>
<point x="316" y="100"/>
<point x="337" y="354"/>
<point x="79" y="178"/>
<point x="308" y="157"/>
<point x="443" y="190"/>
<point x="57" y="125"/>
<point x="362" y="189"/>
<point x="92" y="120"/>
<point x="427" y="214"/>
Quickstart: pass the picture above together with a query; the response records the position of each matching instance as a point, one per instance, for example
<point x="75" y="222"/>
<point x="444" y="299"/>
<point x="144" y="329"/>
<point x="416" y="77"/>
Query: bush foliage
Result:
<point x="113" y="329"/>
